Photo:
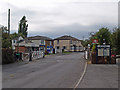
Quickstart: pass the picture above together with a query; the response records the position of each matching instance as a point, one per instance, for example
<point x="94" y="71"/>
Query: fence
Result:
<point x="35" y="55"/>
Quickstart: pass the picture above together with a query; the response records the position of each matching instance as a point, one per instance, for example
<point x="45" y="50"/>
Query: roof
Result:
<point x="16" y="38"/>
<point x="39" y="38"/>
<point x="66" y="38"/>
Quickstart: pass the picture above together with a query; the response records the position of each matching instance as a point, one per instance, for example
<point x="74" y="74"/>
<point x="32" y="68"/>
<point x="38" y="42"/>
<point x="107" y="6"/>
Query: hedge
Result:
<point x="7" y="56"/>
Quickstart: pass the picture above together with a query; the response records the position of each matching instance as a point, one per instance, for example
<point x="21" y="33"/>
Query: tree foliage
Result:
<point x="115" y="39"/>
<point x="23" y="26"/>
<point x="103" y="34"/>
<point x="6" y="43"/>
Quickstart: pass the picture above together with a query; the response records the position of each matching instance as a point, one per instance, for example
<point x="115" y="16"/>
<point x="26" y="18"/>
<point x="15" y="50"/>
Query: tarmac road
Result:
<point x="54" y="71"/>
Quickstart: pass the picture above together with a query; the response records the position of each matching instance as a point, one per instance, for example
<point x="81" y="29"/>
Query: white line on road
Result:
<point x="81" y="77"/>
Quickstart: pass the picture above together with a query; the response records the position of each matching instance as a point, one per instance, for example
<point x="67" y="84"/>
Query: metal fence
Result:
<point x="35" y="55"/>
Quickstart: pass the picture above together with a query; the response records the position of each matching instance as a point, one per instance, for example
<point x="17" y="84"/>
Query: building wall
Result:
<point x="14" y="42"/>
<point x="62" y="43"/>
<point x="76" y="44"/>
<point x="38" y="42"/>
<point x="48" y="43"/>
<point x="68" y="43"/>
<point x="21" y="49"/>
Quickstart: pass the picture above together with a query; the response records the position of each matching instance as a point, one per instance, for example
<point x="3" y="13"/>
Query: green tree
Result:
<point x="103" y="35"/>
<point x="13" y="35"/>
<point x="115" y="40"/>
<point x="6" y="43"/>
<point x="84" y="42"/>
<point x="23" y="26"/>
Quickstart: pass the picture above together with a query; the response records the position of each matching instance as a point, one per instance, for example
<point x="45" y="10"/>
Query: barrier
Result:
<point x="37" y="54"/>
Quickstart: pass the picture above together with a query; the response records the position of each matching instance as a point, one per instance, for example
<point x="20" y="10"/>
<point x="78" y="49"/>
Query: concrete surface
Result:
<point x="100" y="76"/>
<point x="54" y="71"/>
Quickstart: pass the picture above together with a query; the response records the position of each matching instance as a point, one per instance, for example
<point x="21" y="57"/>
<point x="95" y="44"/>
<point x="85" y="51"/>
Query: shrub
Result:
<point x="7" y="56"/>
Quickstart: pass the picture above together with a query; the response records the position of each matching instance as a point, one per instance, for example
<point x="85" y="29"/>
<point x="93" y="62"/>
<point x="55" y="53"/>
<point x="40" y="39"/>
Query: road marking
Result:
<point x="81" y="77"/>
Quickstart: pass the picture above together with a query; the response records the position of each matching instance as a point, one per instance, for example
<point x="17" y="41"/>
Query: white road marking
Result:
<point x="81" y="77"/>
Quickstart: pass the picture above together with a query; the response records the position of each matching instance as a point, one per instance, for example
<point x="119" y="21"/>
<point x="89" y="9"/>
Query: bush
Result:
<point x="7" y="56"/>
<point x="94" y="48"/>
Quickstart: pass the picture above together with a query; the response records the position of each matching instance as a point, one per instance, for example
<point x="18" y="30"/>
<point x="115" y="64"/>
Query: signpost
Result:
<point x="95" y="41"/>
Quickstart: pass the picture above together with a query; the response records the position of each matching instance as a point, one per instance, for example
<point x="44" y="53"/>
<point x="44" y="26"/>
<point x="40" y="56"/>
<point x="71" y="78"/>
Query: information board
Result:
<point x="100" y="52"/>
<point x="103" y="50"/>
<point x="106" y="52"/>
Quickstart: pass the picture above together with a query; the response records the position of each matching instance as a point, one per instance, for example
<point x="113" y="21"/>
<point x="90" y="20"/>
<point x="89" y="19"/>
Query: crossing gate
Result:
<point x="37" y="54"/>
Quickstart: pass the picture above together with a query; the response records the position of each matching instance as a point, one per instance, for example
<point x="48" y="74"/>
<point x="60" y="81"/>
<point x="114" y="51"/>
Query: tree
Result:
<point x="13" y="35"/>
<point x="115" y="40"/>
<point x="5" y="38"/>
<point x="103" y="35"/>
<point x="23" y="26"/>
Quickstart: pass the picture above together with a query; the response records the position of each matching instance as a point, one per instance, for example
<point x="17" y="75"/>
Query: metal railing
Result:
<point x="35" y="55"/>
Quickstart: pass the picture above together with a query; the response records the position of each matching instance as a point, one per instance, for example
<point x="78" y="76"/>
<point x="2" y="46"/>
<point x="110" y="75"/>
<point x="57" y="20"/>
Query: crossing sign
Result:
<point x="95" y="41"/>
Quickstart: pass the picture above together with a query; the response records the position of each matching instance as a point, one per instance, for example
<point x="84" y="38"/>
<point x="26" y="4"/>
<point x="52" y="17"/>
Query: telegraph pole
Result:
<point x="9" y="22"/>
<point x="83" y="38"/>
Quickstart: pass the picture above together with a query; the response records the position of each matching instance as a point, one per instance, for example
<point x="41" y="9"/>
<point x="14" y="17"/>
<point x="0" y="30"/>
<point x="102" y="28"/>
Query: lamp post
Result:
<point x="104" y="42"/>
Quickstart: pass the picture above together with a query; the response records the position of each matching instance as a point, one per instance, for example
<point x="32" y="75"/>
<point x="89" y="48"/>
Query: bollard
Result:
<point x="43" y="55"/>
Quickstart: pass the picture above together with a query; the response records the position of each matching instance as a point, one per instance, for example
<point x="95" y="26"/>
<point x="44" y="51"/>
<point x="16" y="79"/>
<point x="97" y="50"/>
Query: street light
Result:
<point x="104" y="42"/>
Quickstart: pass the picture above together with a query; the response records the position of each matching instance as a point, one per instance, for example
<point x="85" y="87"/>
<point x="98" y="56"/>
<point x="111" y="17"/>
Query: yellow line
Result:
<point x="81" y="77"/>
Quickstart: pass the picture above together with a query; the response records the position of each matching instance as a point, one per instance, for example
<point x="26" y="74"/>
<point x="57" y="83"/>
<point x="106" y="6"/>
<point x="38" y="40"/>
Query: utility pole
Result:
<point x="83" y="38"/>
<point x="9" y="22"/>
<point x="119" y="15"/>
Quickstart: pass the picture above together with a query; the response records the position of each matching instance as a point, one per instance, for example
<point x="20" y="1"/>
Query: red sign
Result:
<point x="95" y="41"/>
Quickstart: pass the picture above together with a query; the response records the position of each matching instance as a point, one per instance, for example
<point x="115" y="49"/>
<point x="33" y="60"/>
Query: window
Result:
<point x="57" y="47"/>
<point x="57" y="41"/>
<point x="50" y="43"/>
<point x="41" y="48"/>
<point x="42" y="42"/>
<point x="70" y="41"/>
<point x="64" y="47"/>
<point x="14" y="41"/>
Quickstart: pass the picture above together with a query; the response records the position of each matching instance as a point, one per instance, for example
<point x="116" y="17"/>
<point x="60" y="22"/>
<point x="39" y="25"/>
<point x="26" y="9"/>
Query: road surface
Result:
<point x="54" y="71"/>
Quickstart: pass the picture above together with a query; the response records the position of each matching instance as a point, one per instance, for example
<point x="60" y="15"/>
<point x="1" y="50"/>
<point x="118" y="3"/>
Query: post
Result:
<point x="30" y="56"/>
<point x="43" y="54"/>
<point x="9" y="22"/>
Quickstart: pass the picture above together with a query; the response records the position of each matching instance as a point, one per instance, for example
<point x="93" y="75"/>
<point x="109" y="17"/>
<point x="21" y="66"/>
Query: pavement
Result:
<point x="54" y="71"/>
<point x="100" y="76"/>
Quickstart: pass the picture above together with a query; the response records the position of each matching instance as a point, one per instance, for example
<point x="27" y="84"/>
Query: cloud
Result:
<point x="75" y="30"/>
<point x="50" y="16"/>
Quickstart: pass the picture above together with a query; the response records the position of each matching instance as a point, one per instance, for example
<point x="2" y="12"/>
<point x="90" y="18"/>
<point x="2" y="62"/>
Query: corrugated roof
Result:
<point x="39" y="38"/>
<point x="66" y="38"/>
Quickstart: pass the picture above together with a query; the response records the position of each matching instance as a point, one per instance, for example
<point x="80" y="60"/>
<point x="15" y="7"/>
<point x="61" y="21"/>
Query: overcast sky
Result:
<point x="55" y="18"/>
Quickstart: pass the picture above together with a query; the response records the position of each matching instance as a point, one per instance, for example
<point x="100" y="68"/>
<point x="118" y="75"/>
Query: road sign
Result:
<point x="95" y="41"/>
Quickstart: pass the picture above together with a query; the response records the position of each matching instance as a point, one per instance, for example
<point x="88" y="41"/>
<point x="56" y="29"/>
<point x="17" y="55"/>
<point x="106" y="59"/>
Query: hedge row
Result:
<point x="7" y="56"/>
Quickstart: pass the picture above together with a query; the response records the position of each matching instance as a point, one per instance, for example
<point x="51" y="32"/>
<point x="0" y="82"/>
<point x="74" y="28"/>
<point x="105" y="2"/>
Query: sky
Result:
<point x="54" y="18"/>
